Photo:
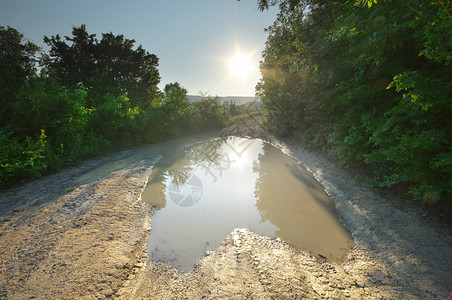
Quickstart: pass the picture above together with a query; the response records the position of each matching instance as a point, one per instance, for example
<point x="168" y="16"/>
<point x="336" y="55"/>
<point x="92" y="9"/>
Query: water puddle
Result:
<point x="205" y="191"/>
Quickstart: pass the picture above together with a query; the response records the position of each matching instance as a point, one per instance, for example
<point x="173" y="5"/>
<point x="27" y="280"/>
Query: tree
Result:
<point x="368" y="82"/>
<point x="211" y="113"/>
<point x="175" y="104"/>
<point x="17" y="64"/>
<point x="109" y="66"/>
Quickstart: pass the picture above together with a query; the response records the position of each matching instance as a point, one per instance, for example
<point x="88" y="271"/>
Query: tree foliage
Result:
<point x="17" y="63"/>
<point x="107" y="66"/>
<point x="90" y="97"/>
<point x="368" y="81"/>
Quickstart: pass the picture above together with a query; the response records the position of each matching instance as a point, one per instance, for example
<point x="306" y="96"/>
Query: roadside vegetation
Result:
<point x="370" y="83"/>
<point x="87" y="97"/>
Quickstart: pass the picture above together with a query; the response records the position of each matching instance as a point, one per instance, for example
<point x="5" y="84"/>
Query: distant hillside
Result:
<point x="237" y="100"/>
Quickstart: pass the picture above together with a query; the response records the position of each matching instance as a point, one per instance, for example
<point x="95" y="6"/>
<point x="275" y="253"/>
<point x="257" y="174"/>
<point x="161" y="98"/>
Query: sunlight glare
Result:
<point x="240" y="65"/>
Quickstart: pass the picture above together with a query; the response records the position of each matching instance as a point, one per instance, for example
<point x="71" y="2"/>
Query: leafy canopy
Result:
<point x="110" y="65"/>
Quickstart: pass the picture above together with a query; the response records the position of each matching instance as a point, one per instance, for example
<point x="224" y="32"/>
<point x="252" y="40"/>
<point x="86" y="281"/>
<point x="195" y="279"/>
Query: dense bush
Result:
<point x="211" y="113"/>
<point x="21" y="160"/>
<point x="368" y="82"/>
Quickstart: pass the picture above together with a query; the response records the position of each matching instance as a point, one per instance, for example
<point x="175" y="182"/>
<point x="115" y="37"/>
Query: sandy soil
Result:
<point x="90" y="242"/>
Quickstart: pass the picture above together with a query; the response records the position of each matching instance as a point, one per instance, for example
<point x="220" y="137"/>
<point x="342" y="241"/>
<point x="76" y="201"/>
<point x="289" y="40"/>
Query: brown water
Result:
<point x="205" y="191"/>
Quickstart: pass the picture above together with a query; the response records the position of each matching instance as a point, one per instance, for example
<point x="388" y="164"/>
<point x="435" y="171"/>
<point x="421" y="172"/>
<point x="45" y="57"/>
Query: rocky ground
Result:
<point x="90" y="242"/>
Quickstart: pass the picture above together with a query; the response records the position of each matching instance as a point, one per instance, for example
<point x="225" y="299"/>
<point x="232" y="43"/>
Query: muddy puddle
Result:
<point x="205" y="191"/>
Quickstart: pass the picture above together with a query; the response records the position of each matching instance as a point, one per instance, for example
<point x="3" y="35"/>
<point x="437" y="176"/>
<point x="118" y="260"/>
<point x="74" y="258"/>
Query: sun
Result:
<point x="240" y="65"/>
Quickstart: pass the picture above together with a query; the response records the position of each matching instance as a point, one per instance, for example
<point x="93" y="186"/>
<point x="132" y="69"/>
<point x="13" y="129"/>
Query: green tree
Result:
<point x="17" y="64"/>
<point x="109" y="66"/>
<point x="369" y="82"/>
<point x="211" y="112"/>
<point x="176" y="105"/>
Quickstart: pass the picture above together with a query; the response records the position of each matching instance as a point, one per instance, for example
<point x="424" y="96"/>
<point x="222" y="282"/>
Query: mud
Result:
<point x="237" y="183"/>
<point x="90" y="242"/>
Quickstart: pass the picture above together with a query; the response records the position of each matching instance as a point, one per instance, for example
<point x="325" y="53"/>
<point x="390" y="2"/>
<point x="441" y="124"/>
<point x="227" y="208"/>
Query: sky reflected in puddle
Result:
<point x="204" y="191"/>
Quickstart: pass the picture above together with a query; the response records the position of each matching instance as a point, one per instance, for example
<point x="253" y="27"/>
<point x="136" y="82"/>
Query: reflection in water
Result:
<point x="178" y="165"/>
<point x="205" y="191"/>
<point x="290" y="198"/>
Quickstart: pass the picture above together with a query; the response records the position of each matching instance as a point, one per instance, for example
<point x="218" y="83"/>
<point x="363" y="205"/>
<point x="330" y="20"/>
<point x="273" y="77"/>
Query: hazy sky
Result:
<point x="193" y="39"/>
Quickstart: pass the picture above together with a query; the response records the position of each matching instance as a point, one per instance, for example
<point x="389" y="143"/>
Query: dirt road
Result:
<point x="90" y="242"/>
